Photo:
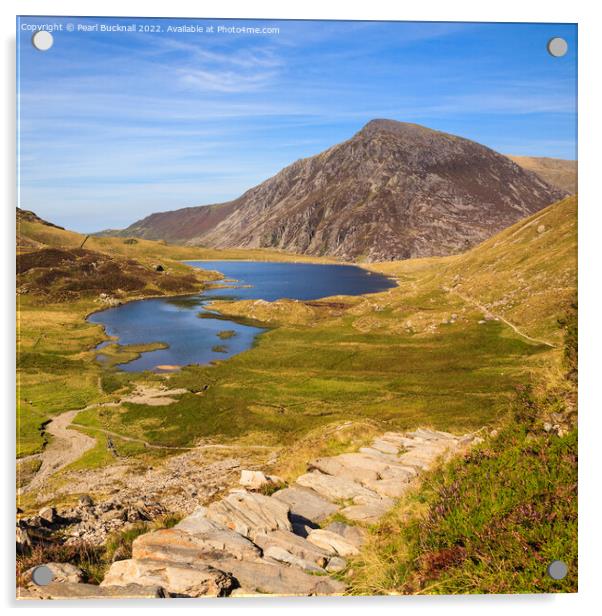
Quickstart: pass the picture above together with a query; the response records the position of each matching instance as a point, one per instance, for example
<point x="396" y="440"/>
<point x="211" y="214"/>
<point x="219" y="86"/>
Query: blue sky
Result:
<point x="117" y="125"/>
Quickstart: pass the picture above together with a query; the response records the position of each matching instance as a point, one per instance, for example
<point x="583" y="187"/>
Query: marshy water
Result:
<point x="192" y="340"/>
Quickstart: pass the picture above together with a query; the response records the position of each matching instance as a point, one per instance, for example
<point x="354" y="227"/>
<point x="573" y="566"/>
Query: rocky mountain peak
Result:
<point x="394" y="190"/>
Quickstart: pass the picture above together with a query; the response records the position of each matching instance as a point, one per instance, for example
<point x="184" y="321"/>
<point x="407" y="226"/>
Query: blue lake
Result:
<point x="194" y="340"/>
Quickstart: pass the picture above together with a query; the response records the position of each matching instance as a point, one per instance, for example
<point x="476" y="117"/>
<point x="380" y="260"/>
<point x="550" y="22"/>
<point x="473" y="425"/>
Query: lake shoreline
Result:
<point x="131" y="323"/>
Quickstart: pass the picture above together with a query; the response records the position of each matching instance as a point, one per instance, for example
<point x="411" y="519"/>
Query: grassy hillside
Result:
<point x="33" y="232"/>
<point x="59" y="282"/>
<point x="526" y="274"/>
<point x="423" y="353"/>
<point x="557" y="172"/>
<point x="492" y="521"/>
<point x="417" y="354"/>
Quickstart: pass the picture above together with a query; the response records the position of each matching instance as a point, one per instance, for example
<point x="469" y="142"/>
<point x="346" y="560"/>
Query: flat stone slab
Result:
<point x="73" y="590"/>
<point x="339" y="468"/>
<point x="353" y="534"/>
<point x="273" y="578"/>
<point x="369" y="513"/>
<point x="337" y="488"/>
<point x="175" y="545"/>
<point x="401" y="440"/>
<point x="333" y="542"/>
<point x="385" y="446"/>
<point x="281" y="555"/>
<point x="384" y="467"/>
<point x="297" y="546"/>
<point x="250" y="514"/>
<point x="179" y="580"/>
<point x="305" y="504"/>
<point x="376" y="453"/>
<point x="390" y="488"/>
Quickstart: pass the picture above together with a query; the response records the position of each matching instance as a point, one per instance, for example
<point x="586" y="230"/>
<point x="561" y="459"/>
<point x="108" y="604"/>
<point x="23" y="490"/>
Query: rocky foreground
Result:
<point x="248" y="543"/>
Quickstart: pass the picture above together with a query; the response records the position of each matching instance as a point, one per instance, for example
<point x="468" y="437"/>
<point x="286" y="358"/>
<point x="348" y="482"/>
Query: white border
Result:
<point x="590" y="142"/>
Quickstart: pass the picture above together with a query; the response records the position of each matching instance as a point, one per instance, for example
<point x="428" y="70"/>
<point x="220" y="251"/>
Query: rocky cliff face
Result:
<point x="392" y="191"/>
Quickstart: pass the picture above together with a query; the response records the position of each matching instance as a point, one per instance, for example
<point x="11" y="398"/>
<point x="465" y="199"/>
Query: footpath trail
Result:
<point x="66" y="446"/>
<point x="69" y="444"/>
<point x="476" y="304"/>
<point x="295" y="542"/>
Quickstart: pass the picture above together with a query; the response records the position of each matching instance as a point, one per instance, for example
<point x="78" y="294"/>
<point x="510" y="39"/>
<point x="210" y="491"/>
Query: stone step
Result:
<point x="174" y="545"/>
<point x="295" y="545"/>
<point x="250" y="514"/>
<point x="376" y="453"/>
<point x="389" y="488"/>
<point x="338" y="467"/>
<point x="402" y="440"/>
<point x="337" y="488"/>
<point x="306" y="506"/>
<point x="178" y="579"/>
<point x="369" y="513"/>
<point x="429" y="435"/>
<point x="385" y="446"/>
<point x="274" y="578"/>
<point x="74" y="590"/>
<point x="333" y="542"/>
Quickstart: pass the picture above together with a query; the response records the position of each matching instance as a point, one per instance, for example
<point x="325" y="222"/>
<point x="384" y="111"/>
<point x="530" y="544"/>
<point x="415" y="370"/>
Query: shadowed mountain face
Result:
<point x="392" y="191"/>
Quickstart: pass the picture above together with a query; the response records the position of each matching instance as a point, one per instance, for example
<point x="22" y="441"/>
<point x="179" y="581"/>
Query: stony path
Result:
<point x="474" y="302"/>
<point x="283" y="544"/>
<point x="68" y="444"/>
<point x="66" y="447"/>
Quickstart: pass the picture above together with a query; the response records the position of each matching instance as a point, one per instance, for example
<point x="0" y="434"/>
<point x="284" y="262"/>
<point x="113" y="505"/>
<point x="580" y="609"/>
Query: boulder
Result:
<point x="353" y="534"/>
<point x="85" y="500"/>
<point x="332" y="542"/>
<point x="71" y="590"/>
<point x="23" y="540"/>
<point x="179" y="580"/>
<point x="336" y="564"/>
<point x="305" y="505"/>
<point x="256" y="480"/>
<point x="177" y="546"/>
<point x="248" y="513"/>
<point x="48" y="514"/>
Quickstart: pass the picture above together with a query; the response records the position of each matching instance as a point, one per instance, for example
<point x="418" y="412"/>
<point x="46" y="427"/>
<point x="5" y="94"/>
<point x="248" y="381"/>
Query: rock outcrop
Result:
<point x="247" y="543"/>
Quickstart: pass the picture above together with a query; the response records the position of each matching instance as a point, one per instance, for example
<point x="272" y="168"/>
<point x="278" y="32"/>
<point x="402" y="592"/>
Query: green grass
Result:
<point x="493" y="520"/>
<point x="116" y="354"/>
<point x="392" y="358"/>
<point x="488" y="523"/>
<point x="295" y="380"/>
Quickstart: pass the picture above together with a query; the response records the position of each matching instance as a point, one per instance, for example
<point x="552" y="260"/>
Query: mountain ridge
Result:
<point x="392" y="191"/>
